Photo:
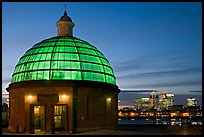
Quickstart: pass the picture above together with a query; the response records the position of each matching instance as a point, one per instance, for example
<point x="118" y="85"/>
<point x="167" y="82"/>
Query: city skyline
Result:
<point x="150" y="45"/>
<point x="128" y="100"/>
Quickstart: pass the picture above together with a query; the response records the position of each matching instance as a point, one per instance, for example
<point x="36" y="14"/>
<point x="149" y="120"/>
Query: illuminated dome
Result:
<point x="63" y="58"/>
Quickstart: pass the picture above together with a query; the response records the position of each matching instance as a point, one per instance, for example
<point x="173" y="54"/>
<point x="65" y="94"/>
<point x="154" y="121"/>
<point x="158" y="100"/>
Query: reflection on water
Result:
<point x="163" y="121"/>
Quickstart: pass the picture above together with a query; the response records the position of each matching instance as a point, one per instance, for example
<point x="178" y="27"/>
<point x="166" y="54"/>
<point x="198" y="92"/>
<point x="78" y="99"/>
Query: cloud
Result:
<point x="129" y="64"/>
<point x="169" y="73"/>
<point x="157" y="60"/>
<point x="167" y="84"/>
<point x="196" y="91"/>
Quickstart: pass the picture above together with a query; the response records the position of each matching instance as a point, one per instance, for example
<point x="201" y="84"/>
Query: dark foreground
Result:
<point x="134" y="130"/>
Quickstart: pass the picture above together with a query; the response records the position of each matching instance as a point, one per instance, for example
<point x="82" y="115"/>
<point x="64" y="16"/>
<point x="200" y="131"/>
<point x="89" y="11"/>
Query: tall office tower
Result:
<point x="170" y="99"/>
<point x="153" y="99"/>
<point x="191" y="102"/>
<point x="166" y="100"/>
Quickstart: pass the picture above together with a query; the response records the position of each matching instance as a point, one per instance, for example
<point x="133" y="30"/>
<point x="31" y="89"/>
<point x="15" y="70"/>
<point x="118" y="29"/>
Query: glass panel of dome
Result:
<point x="113" y="80"/>
<point x="108" y="79"/>
<point x="28" y="52"/>
<point x="43" y="56"/>
<point x="53" y="74"/>
<point x="35" y="65"/>
<point x="74" y="57"/>
<point x="46" y="75"/>
<point x="33" y="75"/>
<point x="16" y="68"/>
<point x="86" y="51"/>
<point x="25" y="59"/>
<point x="71" y="44"/>
<point x="40" y="74"/>
<point x="59" y="43"/>
<point x="41" y="65"/>
<point x="45" y="49"/>
<point x="28" y="66"/>
<point x="31" y="58"/>
<point x="72" y="49"/>
<point x="96" y="67"/>
<point x="107" y="70"/>
<point x="36" y="50"/>
<point x="91" y="58"/>
<point x="48" y="56"/>
<point x="59" y="49"/>
<point x="99" y="54"/>
<point x="41" y="45"/>
<point x="83" y="57"/>
<point x="22" y="67"/>
<point x="53" y="64"/>
<point x="25" y="76"/>
<point x="76" y="75"/>
<point x="41" y="50"/>
<point x="67" y="64"/>
<point x="85" y="45"/>
<point x="78" y="45"/>
<point x="75" y="65"/>
<point x="58" y="74"/>
<point x="20" y="78"/>
<point x="21" y="60"/>
<point x="36" y="57"/>
<point x="67" y="56"/>
<point x="61" y="65"/>
<point x="50" y="43"/>
<point x="86" y="75"/>
<point x="46" y="64"/>
<point x="55" y="56"/>
<point x="85" y="66"/>
<point x="66" y="43"/>
<point x="61" y="56"/>
<point x="104" y="61"/>
<point x="93" y="76"/>
<point x="102" y="77"/>
<point x="67" y="75"/>
<point x="16" y="78"/>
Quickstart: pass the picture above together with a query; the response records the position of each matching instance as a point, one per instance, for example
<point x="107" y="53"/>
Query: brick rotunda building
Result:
<point x="62" y="83"/>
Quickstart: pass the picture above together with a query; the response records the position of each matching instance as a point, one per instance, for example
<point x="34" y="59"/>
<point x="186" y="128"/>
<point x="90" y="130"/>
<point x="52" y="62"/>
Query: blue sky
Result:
<point x="150" y="45"/>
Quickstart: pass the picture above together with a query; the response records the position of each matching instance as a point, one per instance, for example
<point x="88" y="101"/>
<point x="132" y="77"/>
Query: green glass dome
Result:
<point x="63" y="58"/>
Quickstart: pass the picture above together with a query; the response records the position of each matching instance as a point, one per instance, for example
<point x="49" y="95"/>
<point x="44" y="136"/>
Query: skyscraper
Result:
<point x="191" y="102"/>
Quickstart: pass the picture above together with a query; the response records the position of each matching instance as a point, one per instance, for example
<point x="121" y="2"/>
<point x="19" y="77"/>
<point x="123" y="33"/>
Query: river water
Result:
<point x="166" y="121"/>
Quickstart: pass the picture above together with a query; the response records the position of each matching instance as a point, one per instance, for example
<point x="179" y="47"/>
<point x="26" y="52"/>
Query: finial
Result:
<point x="65" y="12"/>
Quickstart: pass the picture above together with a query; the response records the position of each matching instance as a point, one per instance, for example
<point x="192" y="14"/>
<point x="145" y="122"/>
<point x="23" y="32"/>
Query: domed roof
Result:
<point x="63" y="58"/>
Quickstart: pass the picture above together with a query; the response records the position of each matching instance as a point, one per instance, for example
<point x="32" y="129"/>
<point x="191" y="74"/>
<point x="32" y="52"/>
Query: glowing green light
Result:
<point x="63" y="58"/>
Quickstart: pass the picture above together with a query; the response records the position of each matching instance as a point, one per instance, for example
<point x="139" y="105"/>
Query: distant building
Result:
<point x="142" y="103"/>
<point x="191" y="102"/>
<point x="166" y="100"/>
<point x="153" y="99"/>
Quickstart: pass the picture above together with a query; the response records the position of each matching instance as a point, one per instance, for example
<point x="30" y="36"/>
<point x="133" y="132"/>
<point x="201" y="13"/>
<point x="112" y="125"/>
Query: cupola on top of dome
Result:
<point x="65" y="17"/>
<point x="65" y="25"/>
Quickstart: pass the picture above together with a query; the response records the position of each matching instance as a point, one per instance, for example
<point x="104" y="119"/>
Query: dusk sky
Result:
<point x="150" y="45"/>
